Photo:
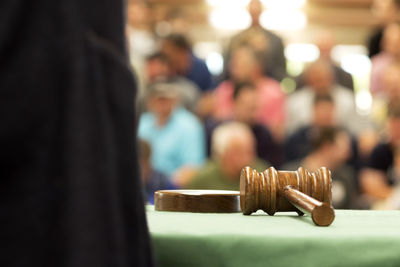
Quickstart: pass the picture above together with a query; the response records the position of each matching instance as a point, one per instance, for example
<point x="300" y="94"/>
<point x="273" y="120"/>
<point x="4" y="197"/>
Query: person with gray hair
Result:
<point x="233" y="147"/>
<point x="175" y="135"/>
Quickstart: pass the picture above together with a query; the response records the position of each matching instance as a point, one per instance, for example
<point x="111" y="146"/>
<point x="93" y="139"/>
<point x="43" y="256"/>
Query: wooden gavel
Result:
<point x="301" y="191"/>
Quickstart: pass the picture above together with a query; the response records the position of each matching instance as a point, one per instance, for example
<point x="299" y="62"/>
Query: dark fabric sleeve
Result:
<point x="267" y="148"/>
<point x="70" y="193"/>
<point x="297" y="146"/>
<point x="381" y="157"/>
<point x="343" y="78"/>
<point x="276" y="63"/>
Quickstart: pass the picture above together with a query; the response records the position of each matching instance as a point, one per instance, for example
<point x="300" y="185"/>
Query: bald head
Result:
<point x="325" y="41"/>
<point x="255" y="8"/>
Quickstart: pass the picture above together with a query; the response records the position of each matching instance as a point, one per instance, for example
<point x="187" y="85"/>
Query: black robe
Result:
<point x="70" y="192"/>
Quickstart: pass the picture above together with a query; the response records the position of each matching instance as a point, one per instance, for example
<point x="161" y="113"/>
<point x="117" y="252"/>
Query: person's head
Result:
<point x="394" y="123"/>
<point x="177" y="48"/>
<point x="323" y="110"/>
<point x="325" y="41"/>
<point x="138" y="13"/>
<point x="391" y="82"/>
<point x="178" y="19"/>
<point x="319" y="76"/>
<point x="245" y="64"/>
<point x="255" y="9"/>
<point x="245" y="103"/>
<point x="391" y="40"/>
<point x="162" y="98"/>
<point x="157" y="66"/>
<point x="386" y="11"/>
<point x="233" y="147"/>
<point x="331" y="144"/>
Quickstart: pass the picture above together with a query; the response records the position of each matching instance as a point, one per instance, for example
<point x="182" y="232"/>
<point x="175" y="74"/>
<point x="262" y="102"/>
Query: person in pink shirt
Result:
<point x="389" y="55"/>
<point x="245" y="66"/>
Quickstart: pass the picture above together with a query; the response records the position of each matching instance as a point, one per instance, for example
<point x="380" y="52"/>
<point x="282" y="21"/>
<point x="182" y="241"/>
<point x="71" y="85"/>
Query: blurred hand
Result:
<point x="373" y="184"/>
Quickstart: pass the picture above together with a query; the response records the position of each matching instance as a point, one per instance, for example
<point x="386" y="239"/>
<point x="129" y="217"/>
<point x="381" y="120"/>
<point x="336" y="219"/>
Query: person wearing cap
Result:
<point x="175" y="135"/>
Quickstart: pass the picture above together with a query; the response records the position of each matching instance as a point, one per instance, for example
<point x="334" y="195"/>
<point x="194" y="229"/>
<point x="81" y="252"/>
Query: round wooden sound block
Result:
<point x="207" y="201"/>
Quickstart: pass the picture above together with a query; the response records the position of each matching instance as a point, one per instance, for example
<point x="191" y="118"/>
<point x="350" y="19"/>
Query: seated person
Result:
<point x="152" y="179"/>
<point x="175" y="135"/>
<point x="233" y="148"/>
<point x="331" y="148"/>
<point x="183" y="62"/>
<point x="325" y="41"/>
<point x="299" y="144"/>
<point x="374" y="179"/>
<point x="245" y="111"/>
<point x="390" y="94"/>
<point x="390" y="54"/>
<point x="319" y="80"/>
<point x="158" y="68"/>
<point x="246" y="65"/>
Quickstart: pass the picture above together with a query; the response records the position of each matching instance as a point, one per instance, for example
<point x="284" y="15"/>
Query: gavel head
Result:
<point x="264" y="190"/>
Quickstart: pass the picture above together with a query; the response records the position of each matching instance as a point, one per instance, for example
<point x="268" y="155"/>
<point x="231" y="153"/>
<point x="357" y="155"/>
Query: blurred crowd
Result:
<point x="198" y="131"/>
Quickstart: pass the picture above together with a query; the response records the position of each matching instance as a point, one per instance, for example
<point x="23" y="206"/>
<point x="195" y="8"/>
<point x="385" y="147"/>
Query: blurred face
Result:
<point x="391" y="40"/>
<point x="246" y="106"/>
<point x="325" y="43"/>
<point x="255" y="9"/>
<point x="174" y="54"/>
<point x="156" y="68"/>
<point x="384" y="10"/>
<point x="243" y="65"/>
<point x="239" y="154"/>
<point x="324" y="114"/>
<point x="138" y="13"/>
<point x="320" y="78"/>
<point x="161" y="106"/>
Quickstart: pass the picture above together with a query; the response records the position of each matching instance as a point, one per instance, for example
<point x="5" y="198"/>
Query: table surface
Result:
<point x="355" y="238"/>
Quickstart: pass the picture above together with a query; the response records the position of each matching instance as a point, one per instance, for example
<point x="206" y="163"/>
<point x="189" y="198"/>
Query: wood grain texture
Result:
<point x="301" y="191"/>
<point x="205" y="201"/>
<point x="321" y="213"/>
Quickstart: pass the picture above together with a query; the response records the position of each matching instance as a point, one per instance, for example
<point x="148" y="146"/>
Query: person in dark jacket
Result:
<point x="70" y="187"/>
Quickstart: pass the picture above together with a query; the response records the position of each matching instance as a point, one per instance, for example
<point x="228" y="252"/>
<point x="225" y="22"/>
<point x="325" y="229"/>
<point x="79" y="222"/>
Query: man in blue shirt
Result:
<point x="183" y="62"/>
<point x="175" y="135"/>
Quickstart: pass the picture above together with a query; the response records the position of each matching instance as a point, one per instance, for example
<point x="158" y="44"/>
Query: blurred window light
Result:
<point x="294" y="68"/>
<point x="203" y="49"/>
<point x="283" y="4"/>
<point x="356" y="64"/>
<point x="283" y="19"/>
<point x="215" y="63"/>
<point x="230" y="19"/>
<point x="228" y="3"/>
<point x="340" y="51"/>
<point x="301" y="52"/>
<point x="364" y="102"/>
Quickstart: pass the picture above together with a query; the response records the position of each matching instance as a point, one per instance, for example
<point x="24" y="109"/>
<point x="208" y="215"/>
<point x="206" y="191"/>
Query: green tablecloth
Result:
<point x="356" y="238"/>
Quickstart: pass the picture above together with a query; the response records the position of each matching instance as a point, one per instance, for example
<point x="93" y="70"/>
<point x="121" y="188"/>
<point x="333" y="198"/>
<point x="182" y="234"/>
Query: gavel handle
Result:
<point x="322" y="213"/>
